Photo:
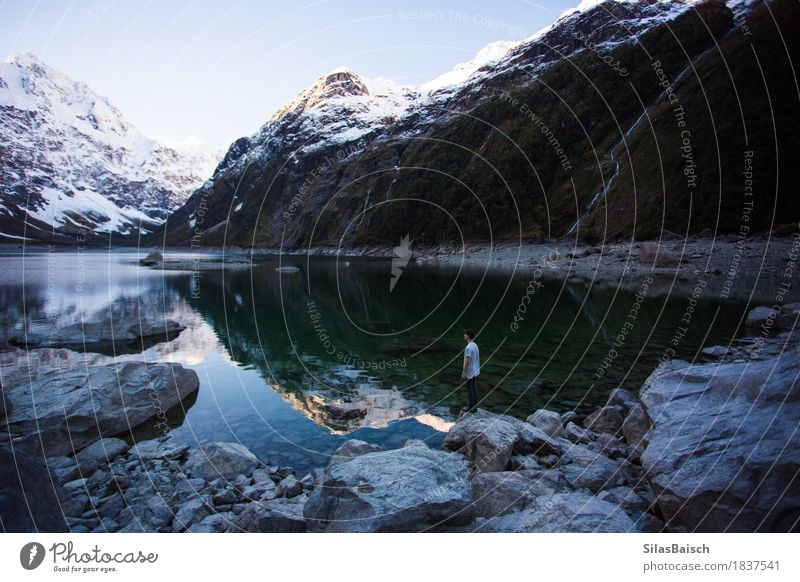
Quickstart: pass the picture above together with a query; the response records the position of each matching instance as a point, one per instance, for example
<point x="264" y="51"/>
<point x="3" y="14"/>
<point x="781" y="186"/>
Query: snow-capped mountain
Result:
<point x="72" y="165"/>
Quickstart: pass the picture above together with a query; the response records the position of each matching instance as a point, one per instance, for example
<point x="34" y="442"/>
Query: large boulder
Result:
<point x="402" y="490"/>
<point x="222" y="460"/>
<point x="486" y="439"/>
<point x="63" y="411"/>
<point x="30" y="499"/>
<point x="574" y="511"/>
<point x="724" y="449"/>
<point x="489" y="440"/>
<point x="508" y="491"/>
<point x="549" y="421"/>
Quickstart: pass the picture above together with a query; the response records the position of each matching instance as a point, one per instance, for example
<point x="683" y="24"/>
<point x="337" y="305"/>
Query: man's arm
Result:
<point x="467" y="363"/>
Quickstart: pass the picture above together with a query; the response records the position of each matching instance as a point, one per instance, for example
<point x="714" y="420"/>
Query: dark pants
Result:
<point x="472" y="393"/>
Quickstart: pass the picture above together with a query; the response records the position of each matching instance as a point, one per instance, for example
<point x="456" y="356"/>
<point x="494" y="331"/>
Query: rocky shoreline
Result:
<point x="704" y="447"/>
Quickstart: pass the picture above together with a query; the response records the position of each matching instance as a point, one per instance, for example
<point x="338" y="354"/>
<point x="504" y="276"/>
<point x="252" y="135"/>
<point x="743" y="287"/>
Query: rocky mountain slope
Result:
<point x="72" y="167"/>
<point x="622" y="119"/>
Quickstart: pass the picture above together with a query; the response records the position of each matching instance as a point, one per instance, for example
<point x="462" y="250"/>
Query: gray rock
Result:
<point x="762" y="316"/>
<point x="65" y="468"/>
<point x="264" y="490"/>
<point x="101" y="402"/>
<point x="787" y="318"/>
<point x="626" y="498"/>
<point x="577" y="434"/>
<point x="351" y="449"/>
<point x="634" y="428"/>
<point x="117" y="329"/>
<point x="225" y="460"/>
<point x="587" y="469"/>
<point x="192" y="512"/>
<point x="111" y="506"/>
<point x="609" y="445"/>
<point x="408" y="489"/>
<point x="261" y="475"/>
<point x="604" y="419"/>
<point x="506" y="492"/>
<point x="569" y="416"/>
<point x="158" y="513"/>
<point x="647" y="522"/>
<point x="289" y="487"/>
<point x="575" y="511"/>
<point x="524" y="463"/>
<point x="622" y="399"/>
<point x="159" y="449"/>
<point x="534" y="441"/>
<point x="486" y="439"/>
<point x="99" y="453"/>
<point x="416" y="443"/>
<point x="153" y="259"/>
<point x="274" y="516"/>
<point x="549" y="421"/>
<point x="716" y="351"/>
<point x="307" y="482"/>
<point x="75" y="506"/>
<point x="214" y="523"/>
<point x="228" y="496"/>
<point x="724" y="450"/>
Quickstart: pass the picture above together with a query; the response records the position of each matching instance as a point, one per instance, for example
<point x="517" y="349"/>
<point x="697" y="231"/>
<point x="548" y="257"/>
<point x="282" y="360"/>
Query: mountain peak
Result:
<point x="24" y="59"/>
<point x="338" y="83"/>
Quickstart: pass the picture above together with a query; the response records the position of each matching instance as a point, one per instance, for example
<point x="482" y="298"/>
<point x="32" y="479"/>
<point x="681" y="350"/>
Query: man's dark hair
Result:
<point x="470" y="333"/>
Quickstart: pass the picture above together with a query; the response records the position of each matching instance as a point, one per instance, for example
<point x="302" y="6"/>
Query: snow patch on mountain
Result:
<point x="70" y="159"/>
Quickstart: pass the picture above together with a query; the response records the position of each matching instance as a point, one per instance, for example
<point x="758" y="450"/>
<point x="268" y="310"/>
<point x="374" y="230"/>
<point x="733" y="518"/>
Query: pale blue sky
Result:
<point x="215" y="71"/>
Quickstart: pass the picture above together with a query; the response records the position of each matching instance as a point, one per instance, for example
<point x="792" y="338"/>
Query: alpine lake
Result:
<point x="277" y="352"/>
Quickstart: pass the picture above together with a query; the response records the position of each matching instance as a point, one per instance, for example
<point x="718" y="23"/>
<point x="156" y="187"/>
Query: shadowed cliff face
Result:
<point x="622" y="121"/>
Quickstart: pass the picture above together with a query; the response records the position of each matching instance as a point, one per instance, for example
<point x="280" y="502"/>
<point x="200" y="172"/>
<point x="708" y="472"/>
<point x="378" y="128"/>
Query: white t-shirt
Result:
<point x="475" y="363"/>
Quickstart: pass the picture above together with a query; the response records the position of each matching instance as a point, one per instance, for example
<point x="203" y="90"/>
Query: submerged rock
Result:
<point x="724" y="450"/>
<point x="402" y="490"/>
<point x="352" y="448"/>
<point x="118" y="329"/>
<point x="153" y="259"/>
<point x="100" y="402"/>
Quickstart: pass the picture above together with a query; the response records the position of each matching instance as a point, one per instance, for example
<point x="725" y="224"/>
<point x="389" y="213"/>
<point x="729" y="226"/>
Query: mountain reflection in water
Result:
<point x="293" y="364"/>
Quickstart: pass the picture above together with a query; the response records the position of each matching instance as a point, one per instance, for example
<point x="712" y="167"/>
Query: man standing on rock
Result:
<point x="472" y="368"/>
